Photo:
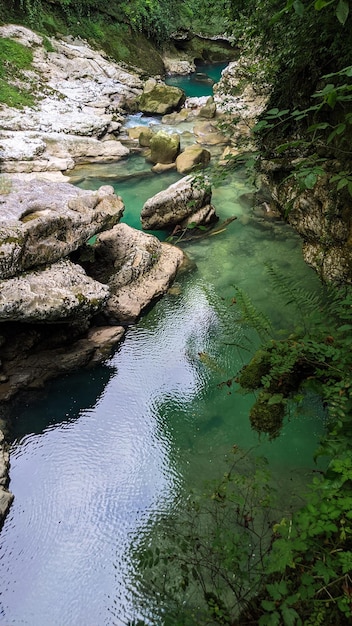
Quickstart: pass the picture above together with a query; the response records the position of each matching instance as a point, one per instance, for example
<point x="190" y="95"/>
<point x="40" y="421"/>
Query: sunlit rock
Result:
<point x="164" y="147"/>
<point x="208" y="134"/>
<point x="60" y="292"/>
<point x="137" y="268"/>
<point x="41" y="222"/>
<point x="176" y="204"/>
<point x="158" y="98"/>
<point x="192" y="157"/>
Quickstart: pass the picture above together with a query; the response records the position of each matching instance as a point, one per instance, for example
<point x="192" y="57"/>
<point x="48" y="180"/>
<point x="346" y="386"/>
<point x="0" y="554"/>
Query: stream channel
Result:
<point x="102" y="454"/>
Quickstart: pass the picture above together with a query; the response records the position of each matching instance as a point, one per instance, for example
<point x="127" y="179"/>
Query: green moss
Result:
<point x="29" y="217"/>
<point x="14" y="58"/>
<point x="266" y="415"/>
<point x="48" y="45"/>
<point x="7" y="240"/>
<point x="5" y="185"/>
<point x="251" y="375"/>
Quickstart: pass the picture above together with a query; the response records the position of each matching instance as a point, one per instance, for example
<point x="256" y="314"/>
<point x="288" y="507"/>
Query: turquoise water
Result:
<point x="199" y="83"/>
<point x="100" y="456"/>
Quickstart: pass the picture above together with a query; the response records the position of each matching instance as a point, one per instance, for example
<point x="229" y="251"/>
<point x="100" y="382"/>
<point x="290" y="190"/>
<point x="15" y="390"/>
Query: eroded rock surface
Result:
<point x="176" y="204"/>
<point x="60" y="292"/>
<point x="82" y="94"/>
<point x="137" y="268"/>
<point x="41" y="222"/>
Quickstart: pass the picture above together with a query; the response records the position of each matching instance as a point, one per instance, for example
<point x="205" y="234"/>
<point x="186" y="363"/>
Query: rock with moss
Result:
<point x="61" y="292"/>
<point x="164" y="147"/>
<point x="158" y="98"/>
<point x="208" y="111"/>
<point x="251" y="375"/>
<point x="267" y="414"/>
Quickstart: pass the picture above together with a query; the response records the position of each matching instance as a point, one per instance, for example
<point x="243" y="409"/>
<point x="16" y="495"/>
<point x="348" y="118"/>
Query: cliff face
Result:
<point x="322" y="216"/>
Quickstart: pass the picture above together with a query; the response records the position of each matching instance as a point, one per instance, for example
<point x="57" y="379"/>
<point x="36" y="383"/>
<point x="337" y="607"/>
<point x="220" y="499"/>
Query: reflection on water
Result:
<point x="102" y="454"/>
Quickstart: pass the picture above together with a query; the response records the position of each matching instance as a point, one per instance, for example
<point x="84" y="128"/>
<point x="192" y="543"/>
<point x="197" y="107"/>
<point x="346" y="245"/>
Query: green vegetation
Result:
<point x="14" y="59"/>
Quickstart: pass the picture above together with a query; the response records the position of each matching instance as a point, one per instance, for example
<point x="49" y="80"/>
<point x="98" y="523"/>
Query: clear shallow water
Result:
<point x="102" y="454"/>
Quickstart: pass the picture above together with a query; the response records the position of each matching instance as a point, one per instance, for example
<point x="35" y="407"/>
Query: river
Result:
<point x="100" y="455"/>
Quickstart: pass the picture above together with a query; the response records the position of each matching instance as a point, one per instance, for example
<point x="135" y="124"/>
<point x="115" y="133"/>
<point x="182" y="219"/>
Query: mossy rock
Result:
<point x="164" y="148"/>
<point x="251" y="375"/>
<point x="267" y="414"/>
<point x="160" y="99"/>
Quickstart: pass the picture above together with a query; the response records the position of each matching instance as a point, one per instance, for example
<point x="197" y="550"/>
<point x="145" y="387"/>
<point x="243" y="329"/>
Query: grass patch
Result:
<point x="14" y="96"/>
<point x="14" y="59"/>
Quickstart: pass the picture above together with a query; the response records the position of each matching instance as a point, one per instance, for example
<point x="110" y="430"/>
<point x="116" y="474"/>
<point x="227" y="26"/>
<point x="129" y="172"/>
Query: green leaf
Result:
<point x="276" y="398"/>
<point x="343" y="182"/>
<point x="268" y="605"/>
<point x="260" y="125"/>
<point x="342" y="11"/>
<point x="310" y="180"/>
<point x="289" y="615"/>
<point x="320" y="4"/>
<point x="299" y="7"/>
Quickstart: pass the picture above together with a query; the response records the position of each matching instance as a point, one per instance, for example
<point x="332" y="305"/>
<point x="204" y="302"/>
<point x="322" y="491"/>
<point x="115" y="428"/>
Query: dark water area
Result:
<point x="101" y="456"/>
<point x="199" y="83"/>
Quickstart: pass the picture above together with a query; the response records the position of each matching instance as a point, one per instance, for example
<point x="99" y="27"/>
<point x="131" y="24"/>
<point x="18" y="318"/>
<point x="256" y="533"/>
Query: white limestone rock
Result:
<point x="61" y="292"/>
<point x="42" y="222"/>
<point x="141" y="269"/>
<point x="175" y="204"/>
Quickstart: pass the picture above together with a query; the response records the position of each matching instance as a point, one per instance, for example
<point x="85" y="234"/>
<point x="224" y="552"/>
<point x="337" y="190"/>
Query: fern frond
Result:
<point x="304" y="300"/>
<point x="252" y="316"/>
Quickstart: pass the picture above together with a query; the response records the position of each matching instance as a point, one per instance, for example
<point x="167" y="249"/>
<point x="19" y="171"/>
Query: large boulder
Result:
<point x="61" y="292"/>
<point x="41" y="222"/>
<point x="207" y="133"/>
<point x="176" y="204"/>
<point x="208" y="111"/>
<point x="137" y="268"/>
<point x="164" y="147"/>
<point x="192" y="157"/>
<point x="158" y="98"/>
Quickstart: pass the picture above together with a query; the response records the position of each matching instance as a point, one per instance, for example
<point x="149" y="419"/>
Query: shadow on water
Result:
<point x="61" y="401"/>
